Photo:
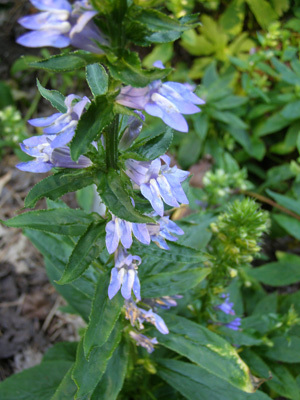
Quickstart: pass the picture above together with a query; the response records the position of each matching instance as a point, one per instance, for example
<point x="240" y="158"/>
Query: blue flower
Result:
<point x="167" y="101"/>
<point x="138" y="315"/>
<point x="124" y="275"/>
<point x="164" y="231"/>
<point x="158" y="182"/>
<point x="235" y="324"/>
<point x="46" y="157"/>
<point x="119" y="230"/>
<point x="164" y="302"/>
<point x="63" y="125"/>
<point x="144" y="341"/>
<point x="61" y="24"/>
<point x="226" y="306"/>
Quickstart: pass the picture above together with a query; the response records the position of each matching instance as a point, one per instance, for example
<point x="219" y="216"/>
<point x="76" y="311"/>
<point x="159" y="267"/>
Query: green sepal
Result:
<point x="56" y="98"/>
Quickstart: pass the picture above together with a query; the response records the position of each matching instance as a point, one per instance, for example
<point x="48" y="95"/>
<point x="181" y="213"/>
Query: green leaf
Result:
<point x="66" y="389"/>
<point x="68" y="62"/>
<point x="284" y="272"/>
<point x="286" y="74"/>
<point x="87" y="373"/>
<point x="128" y="70"/>
<point x="156" y="146"/>
<point x="233" y="18"/>
<point x="56" y="98"/>
<point x="116" y="198"/>
<point x="273" y="124"/>
<point x="263" y="12"/>
<point x="56" y="251"/>
<point x="291" y="111"/>
<point x="35" y="383"/>
<point x="206" y="349"/>
<point x="171" y="283"/>
<point x="55" y="186"/>
<point x="112" y="381"/>
<point x="285" y="201"/>
<point x="285" y="349"/>
<point x="177" y="253"/>
<point x="104" y="315"/>
<point x="228" y="118"/>
<point x="97" y="79"/>
<point x="64" y="221"/>
<point x="64" y="351"/>
<point x="195" y="383"/>
<point x="88" y="247"/>
<point x="289" y="224"/>
<point x="93" y="121"/>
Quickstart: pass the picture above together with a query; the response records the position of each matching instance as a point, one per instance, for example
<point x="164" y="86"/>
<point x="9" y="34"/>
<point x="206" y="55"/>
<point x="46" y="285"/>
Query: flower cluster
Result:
<point x="227" y="308"/>
<point x="60" y="24"/>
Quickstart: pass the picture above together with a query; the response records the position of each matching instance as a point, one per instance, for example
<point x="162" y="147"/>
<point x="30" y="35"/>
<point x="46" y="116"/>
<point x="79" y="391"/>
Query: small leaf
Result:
<point x="290" y="224"/>
<point x="116" y="198"/>
<point x="68" y="62"/>
<point x="104" y="315"/>
<point x="64" y="221"/>
<point x="98" y="116"/>
<point x="97" y="79"/>
<point x="171" y="283"/>
<point x="87" y="373"/>
<point x="56" y="98"/>
<point x="285" y="201"/>
<point x="56" y="185"/>
<point x="86" y="250"/>
<point x="156" y="146"/>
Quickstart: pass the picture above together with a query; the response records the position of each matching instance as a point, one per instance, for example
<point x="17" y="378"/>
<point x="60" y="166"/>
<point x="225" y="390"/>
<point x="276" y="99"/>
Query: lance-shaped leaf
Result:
<point x="207" y="349"/>
<point x="56" y="98"/>
<point x="64" y="221"/>
<point x="97" y="79"/>
<point x="128" y="70"/>
<point x="87" y="373"/>
<point x="87" y="249"/>
<point x="103" y="316"/>
<point x="195" y="383"/>
<point x="56" y="251"/>
<point x="67" y="388"/>
<point x="112" y="381"/>
<point x="68" y="62"/>
<point x="55" y="186"/>
<point x="154" y="147"/>
<point x="171" y="283"/>
<point x="98" y="116"/>
<point x="115" y="197"/>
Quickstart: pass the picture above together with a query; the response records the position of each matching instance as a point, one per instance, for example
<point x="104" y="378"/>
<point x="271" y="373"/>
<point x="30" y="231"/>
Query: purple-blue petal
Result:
<point x="112" y="238"/>
<point x="35" y="166"/>
<point x="45" y="121"/>
<point x="115" y="283"/>
<point x="43" y="38"/>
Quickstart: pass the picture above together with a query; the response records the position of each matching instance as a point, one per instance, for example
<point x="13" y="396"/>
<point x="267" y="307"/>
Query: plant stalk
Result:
<point x="111" y="142"/>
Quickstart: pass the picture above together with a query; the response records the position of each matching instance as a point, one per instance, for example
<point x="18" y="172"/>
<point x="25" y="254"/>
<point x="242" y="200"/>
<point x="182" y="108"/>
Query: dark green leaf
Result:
<point x="290" y="224"/>
<point x="56" y="98"/>
<point x="104" y="315"/>
<point x="88" y="247"/>
<point x="112" y="381"/>
<point x="285" y="349"/>
<point x="156" y="146"/>
<point x="195" y="383"/>
<point x="66" y="389"/>
<point x="62" y="351"/>
<point x="68" y="62"/>
<point x="206" y="349"/>
<point x="91" y="124"/>
<point x="64" y="221"/>
<point x="171" y="283"/>
<point x="284" y="272"/>
<point x="128" y="70"/>
<point x="285" y="201"/>
<point x="263" y="12"/>
<point x="116" y="198"/>
<point x="55" y="186"/>
<point x="35" y="383"/>
<point x="87" y="373"/>
<point x="97" y="79"/>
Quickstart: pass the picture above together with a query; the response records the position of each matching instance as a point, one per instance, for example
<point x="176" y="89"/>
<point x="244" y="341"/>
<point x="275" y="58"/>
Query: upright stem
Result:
<point x="111" y="142"/>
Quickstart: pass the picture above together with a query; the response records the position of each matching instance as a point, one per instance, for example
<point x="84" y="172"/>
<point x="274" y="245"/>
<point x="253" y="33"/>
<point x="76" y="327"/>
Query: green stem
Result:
<point x="111" y="141"/>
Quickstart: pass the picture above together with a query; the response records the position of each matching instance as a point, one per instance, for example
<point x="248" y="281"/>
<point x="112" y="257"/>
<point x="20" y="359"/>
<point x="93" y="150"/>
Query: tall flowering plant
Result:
<point x="120" y="269"/>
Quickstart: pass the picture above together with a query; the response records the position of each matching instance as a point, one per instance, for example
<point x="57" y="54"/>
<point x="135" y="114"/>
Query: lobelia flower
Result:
<point x="61" y="24"/>
<point x="62" y="125"/>
<point x="47" y="157"/>
<point x="124" y="275"/>
<point x="132" y="130"/>
<point x="144" y="341"/>
<point x="226" y="306"/>
<point x="164" y="302"/>
<point x="168" y="101"/>
<point x="158" y="182"/>
<point x="119" y="230"/>
<point x="235" y="324"/>
<point x="165" y="230"/>
<point x="139" y="315"/>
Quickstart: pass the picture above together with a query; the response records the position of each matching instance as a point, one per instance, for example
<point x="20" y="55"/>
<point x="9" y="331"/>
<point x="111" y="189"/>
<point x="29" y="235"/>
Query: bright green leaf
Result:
<point x="97" y="79"/>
